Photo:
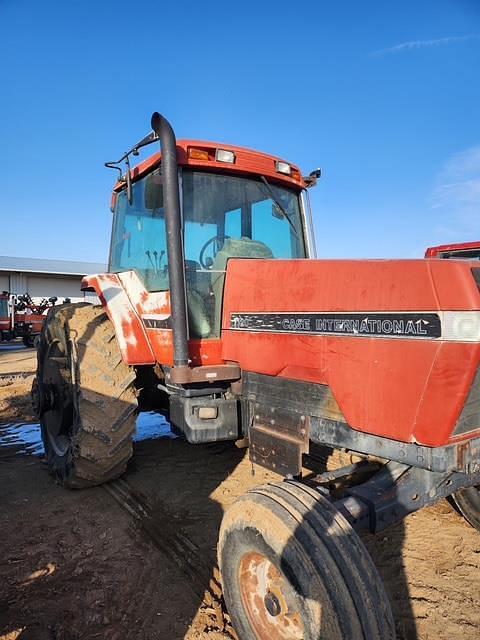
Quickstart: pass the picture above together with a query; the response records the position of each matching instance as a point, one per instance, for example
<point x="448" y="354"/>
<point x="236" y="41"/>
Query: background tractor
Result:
<point x="215" y="310"/>
<point x="30" y="316"/>
<point x="464" y="250"/>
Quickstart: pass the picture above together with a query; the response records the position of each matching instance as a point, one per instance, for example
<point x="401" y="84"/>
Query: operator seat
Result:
<point x="233" y="248"/>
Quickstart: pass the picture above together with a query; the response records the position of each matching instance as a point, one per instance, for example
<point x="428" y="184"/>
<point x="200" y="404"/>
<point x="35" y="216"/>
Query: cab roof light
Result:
<point x="198" y="154"/>
<point x="222" y="155"/>
<point x="283" y="167"/>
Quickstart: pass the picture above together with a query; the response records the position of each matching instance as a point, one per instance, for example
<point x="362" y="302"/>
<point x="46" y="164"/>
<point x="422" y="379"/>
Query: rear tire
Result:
<point x="468" y="503"/>
<point x="85" y="397"/>
<point x="28" y="341"/>
<point x="293" y="568"/>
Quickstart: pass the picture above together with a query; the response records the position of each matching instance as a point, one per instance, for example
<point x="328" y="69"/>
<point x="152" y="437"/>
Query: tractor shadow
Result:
<point x="386" y="549"/>
<point x="387" y="552"/>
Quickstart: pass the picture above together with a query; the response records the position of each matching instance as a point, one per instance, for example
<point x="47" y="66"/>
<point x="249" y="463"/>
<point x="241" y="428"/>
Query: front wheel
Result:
<point x="293" y="569"/>
<point x="468" y="503"/>
<point x="85" y="397"/>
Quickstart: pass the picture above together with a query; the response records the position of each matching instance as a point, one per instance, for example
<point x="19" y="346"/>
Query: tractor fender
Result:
<point x="129" y="329"/>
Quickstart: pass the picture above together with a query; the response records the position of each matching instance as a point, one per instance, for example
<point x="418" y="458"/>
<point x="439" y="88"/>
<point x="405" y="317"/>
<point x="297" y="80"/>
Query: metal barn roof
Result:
<point x="54" y="267"/>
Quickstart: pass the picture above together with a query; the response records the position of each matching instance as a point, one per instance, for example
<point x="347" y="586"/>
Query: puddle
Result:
<point x="27" y="438"/>
<point x="12" y="346"/>
<point x="151" y="426"/>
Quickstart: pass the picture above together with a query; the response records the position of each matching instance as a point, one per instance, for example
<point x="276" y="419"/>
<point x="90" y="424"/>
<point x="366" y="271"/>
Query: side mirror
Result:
<point x="154" y="191"/>
<point x="312" y="178"/>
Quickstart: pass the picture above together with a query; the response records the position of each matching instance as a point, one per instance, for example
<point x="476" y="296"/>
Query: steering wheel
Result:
<point x="217" y="245"/>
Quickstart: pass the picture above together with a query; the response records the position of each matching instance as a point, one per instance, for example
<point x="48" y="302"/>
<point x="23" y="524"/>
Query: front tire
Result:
<point x="85" y="397"/>
<point x="468" y="503"/>
<point x="293" y="569"/>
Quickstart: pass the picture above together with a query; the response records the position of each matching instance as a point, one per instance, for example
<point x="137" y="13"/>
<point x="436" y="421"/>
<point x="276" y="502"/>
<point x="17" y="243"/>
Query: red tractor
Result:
<point x="29" y="317"/>
<point x="215" y="304"/>
<point x="463" y="250"/>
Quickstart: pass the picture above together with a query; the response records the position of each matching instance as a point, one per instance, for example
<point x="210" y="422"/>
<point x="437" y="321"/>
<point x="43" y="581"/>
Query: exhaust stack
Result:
<point x="173" y="223"/>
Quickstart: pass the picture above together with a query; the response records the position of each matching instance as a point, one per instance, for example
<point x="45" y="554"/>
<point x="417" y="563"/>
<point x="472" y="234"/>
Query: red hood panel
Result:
<point x="406" y="387"/>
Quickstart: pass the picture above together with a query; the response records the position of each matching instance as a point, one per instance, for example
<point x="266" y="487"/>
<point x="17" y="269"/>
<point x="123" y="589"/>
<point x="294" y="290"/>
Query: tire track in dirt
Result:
<point x="182" y="552"/>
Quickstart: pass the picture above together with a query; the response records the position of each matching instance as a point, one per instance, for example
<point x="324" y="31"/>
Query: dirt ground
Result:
<point x="136" y="559"/>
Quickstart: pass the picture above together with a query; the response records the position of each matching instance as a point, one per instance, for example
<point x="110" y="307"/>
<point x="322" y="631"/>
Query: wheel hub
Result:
<point x="52" y="396"/>
<point x="271" y="603"/>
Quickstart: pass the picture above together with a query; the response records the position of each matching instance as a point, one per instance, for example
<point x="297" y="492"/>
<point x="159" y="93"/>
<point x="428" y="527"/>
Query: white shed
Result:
<point x="42" y="278"/>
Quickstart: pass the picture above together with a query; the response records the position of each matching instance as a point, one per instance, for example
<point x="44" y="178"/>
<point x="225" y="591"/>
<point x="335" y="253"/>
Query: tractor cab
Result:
<point x="179" y="217"/>
<point x="224" y="215"/>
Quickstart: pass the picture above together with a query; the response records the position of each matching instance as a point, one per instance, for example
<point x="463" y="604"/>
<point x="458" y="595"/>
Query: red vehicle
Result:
<point x="215" y="304"/>
<point x="6" y="317"/>
<point x="465" y="250"/>
<point x="29" y="317"/>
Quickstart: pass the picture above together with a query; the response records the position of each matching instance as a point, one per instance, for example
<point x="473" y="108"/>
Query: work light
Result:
<point x="222" y="155"/>
<point x="283" y="167"/>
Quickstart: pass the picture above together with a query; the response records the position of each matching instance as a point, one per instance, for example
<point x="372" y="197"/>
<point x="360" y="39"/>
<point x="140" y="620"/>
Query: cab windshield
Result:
<point x="224" y="217"/>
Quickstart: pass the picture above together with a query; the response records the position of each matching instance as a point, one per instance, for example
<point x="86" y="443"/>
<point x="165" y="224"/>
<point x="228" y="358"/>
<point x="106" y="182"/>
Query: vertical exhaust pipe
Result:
<point x="173" y="223"/>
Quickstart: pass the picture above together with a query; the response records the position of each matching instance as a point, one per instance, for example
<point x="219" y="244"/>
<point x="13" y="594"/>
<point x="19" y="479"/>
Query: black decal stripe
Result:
<point x="392" y="325"/>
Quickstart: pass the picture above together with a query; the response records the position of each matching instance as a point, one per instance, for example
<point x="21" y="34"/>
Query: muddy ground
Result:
<point x="136" y="559"/>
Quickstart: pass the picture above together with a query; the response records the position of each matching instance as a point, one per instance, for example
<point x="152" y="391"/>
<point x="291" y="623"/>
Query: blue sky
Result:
<point x="383" y="96"/>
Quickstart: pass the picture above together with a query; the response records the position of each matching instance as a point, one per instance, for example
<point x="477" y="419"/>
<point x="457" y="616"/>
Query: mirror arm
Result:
<point x="113" y="165"/>
<point x="312" y="179"/>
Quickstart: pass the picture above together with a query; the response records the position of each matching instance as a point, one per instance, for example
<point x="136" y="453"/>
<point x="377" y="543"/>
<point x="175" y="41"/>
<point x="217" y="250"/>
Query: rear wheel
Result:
<point x="468" y="503"/>
<point x="293" y="568"/>
<point x="28" y="340"/>
<point x="84" y="395"/>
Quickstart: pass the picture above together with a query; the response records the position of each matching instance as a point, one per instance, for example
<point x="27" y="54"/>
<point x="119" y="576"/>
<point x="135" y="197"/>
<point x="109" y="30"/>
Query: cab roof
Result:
<point x="246" y="162"/>
<point x="433" y="252"/>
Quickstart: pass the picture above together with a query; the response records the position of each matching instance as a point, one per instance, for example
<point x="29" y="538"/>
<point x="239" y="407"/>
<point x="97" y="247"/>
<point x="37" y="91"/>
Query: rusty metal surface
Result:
<point x="278" y="438"/>
<point x="270" y="450"/>
<point x="269" y="600"/>
<point x="191" y="375"/>
<point x="278" y="422"/>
